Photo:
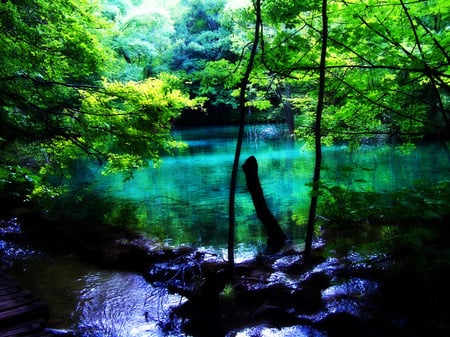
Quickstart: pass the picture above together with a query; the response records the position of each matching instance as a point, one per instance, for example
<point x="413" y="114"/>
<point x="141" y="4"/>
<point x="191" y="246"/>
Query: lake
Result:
<point x="185" y="199"/>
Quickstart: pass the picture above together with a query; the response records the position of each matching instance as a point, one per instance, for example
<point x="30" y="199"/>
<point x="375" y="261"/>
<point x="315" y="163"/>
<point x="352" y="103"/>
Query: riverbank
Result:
<point x="332" y="295"/>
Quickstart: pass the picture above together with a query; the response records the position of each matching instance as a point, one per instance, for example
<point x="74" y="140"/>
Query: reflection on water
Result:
<point x="121" y="304"/>
<point x="185" y="200"/>
<point x="95" y="303"/>
<point x="292" y="331"/>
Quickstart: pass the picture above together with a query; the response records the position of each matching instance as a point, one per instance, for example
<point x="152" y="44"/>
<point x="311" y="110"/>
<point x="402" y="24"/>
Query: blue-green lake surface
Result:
<point x="185" y="199"/>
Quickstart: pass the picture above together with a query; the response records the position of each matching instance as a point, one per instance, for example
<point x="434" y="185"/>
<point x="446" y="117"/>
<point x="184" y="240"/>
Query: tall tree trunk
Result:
<point x="242" y="111"/>
<point x="318" y="138"/>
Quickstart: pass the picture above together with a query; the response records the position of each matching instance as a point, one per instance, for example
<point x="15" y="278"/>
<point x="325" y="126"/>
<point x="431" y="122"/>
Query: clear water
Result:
<point x="185" y="200"/>
<point x="91" y="302"/>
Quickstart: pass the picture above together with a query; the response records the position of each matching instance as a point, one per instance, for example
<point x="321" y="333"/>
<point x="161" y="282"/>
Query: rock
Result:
<point x="121" y="255"/>
<point x="341" y="324"/>
<point x="317" y="280"/>
<point x="307" y="300"/>
<point x="275" y="316"/>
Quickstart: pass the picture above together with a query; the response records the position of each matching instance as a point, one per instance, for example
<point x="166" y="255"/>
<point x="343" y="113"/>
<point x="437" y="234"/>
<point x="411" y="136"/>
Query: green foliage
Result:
<point x="228" y="293"/>
<point x="55" y="108"/>
<point x="71" y="79"/>
<point x="131" y="121"/>
<point x="202" y="50"/>
<point x="45" y="48"/>
<point x="142" y="39"/>
<point x="400" y="223"/>
<point x="387" y="66"/>
<point x="200" y="36"/>
<point x="55" y="41"/>
<point x="282" y="11"/>
<point x="216" y="82"/>
<point x="21" y="185"/>
<point x="422" y="204"/>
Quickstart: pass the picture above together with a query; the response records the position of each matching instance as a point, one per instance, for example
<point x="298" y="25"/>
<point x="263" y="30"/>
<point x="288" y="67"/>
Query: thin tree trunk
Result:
<point x="275" y="236"/>
<point x="242" y="111"/>
<point x="318" y="138"/>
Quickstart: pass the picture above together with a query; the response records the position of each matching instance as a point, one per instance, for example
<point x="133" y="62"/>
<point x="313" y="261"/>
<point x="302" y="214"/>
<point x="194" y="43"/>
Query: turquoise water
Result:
<point x="185" y="200"/>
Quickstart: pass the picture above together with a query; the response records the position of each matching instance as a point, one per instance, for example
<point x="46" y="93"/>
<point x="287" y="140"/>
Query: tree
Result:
<point x="387" y="70"/>
<point x="388" y="73"/>
<point x="379" y="54"/>
<point x="200" y="35"/>
<point x="48" y="51"/>
<point x="242" y="113"/>
<point x="55" y="108"/>
<point x="142" y="37"/>
<point x="275" y="235"/>
<point x="318" y="135"/>
<point x="202" y="51"/>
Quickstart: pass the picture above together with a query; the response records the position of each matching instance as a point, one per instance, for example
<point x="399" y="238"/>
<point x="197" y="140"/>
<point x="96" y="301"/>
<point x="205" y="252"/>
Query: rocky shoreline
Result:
<point x="328" y="296"/>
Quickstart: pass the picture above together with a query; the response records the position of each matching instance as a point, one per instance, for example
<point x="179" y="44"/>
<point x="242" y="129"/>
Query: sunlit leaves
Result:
<point x="46" y="36"/>
<point x="52" y="99"/>
<point x="131" y="121"/>
<point x="125" y="162"/>
<point x="288" y="11"/>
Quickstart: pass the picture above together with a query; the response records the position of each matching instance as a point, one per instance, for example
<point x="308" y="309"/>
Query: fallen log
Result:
<point x="275" y="235"/>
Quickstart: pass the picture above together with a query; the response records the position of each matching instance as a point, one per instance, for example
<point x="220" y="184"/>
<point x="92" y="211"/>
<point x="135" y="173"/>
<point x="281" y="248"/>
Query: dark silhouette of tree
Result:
<point x="242" y="113"/>
<point x="317" y="134"/>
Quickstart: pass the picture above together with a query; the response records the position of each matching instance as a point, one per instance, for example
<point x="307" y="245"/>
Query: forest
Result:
<point x="92" y="91"/>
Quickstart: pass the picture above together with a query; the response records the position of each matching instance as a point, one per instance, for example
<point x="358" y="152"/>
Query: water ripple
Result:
<point x="121" y="304"/>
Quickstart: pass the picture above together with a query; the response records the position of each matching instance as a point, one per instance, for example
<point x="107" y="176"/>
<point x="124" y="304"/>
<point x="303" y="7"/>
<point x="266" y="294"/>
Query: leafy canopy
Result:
<point x="59" y="101"/>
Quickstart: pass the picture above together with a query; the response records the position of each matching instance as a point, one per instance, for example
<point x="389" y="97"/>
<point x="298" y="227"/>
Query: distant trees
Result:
<point x="200" y="35"/>
<point x="203" y="52"/>
<point x="142" y="38"/>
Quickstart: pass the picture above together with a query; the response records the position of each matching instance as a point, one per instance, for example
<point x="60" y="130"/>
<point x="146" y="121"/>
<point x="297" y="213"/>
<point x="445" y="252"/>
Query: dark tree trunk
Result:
<point x="242" y="111"/>
<point x="318" y="137"/>
<point x="275" y="236"/>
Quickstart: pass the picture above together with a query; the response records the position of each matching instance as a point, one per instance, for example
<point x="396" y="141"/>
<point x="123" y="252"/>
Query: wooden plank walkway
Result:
<point x="21" y="313"/>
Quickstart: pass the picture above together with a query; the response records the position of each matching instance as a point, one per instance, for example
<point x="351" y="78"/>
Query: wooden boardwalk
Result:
<point x="21" y="313"/>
